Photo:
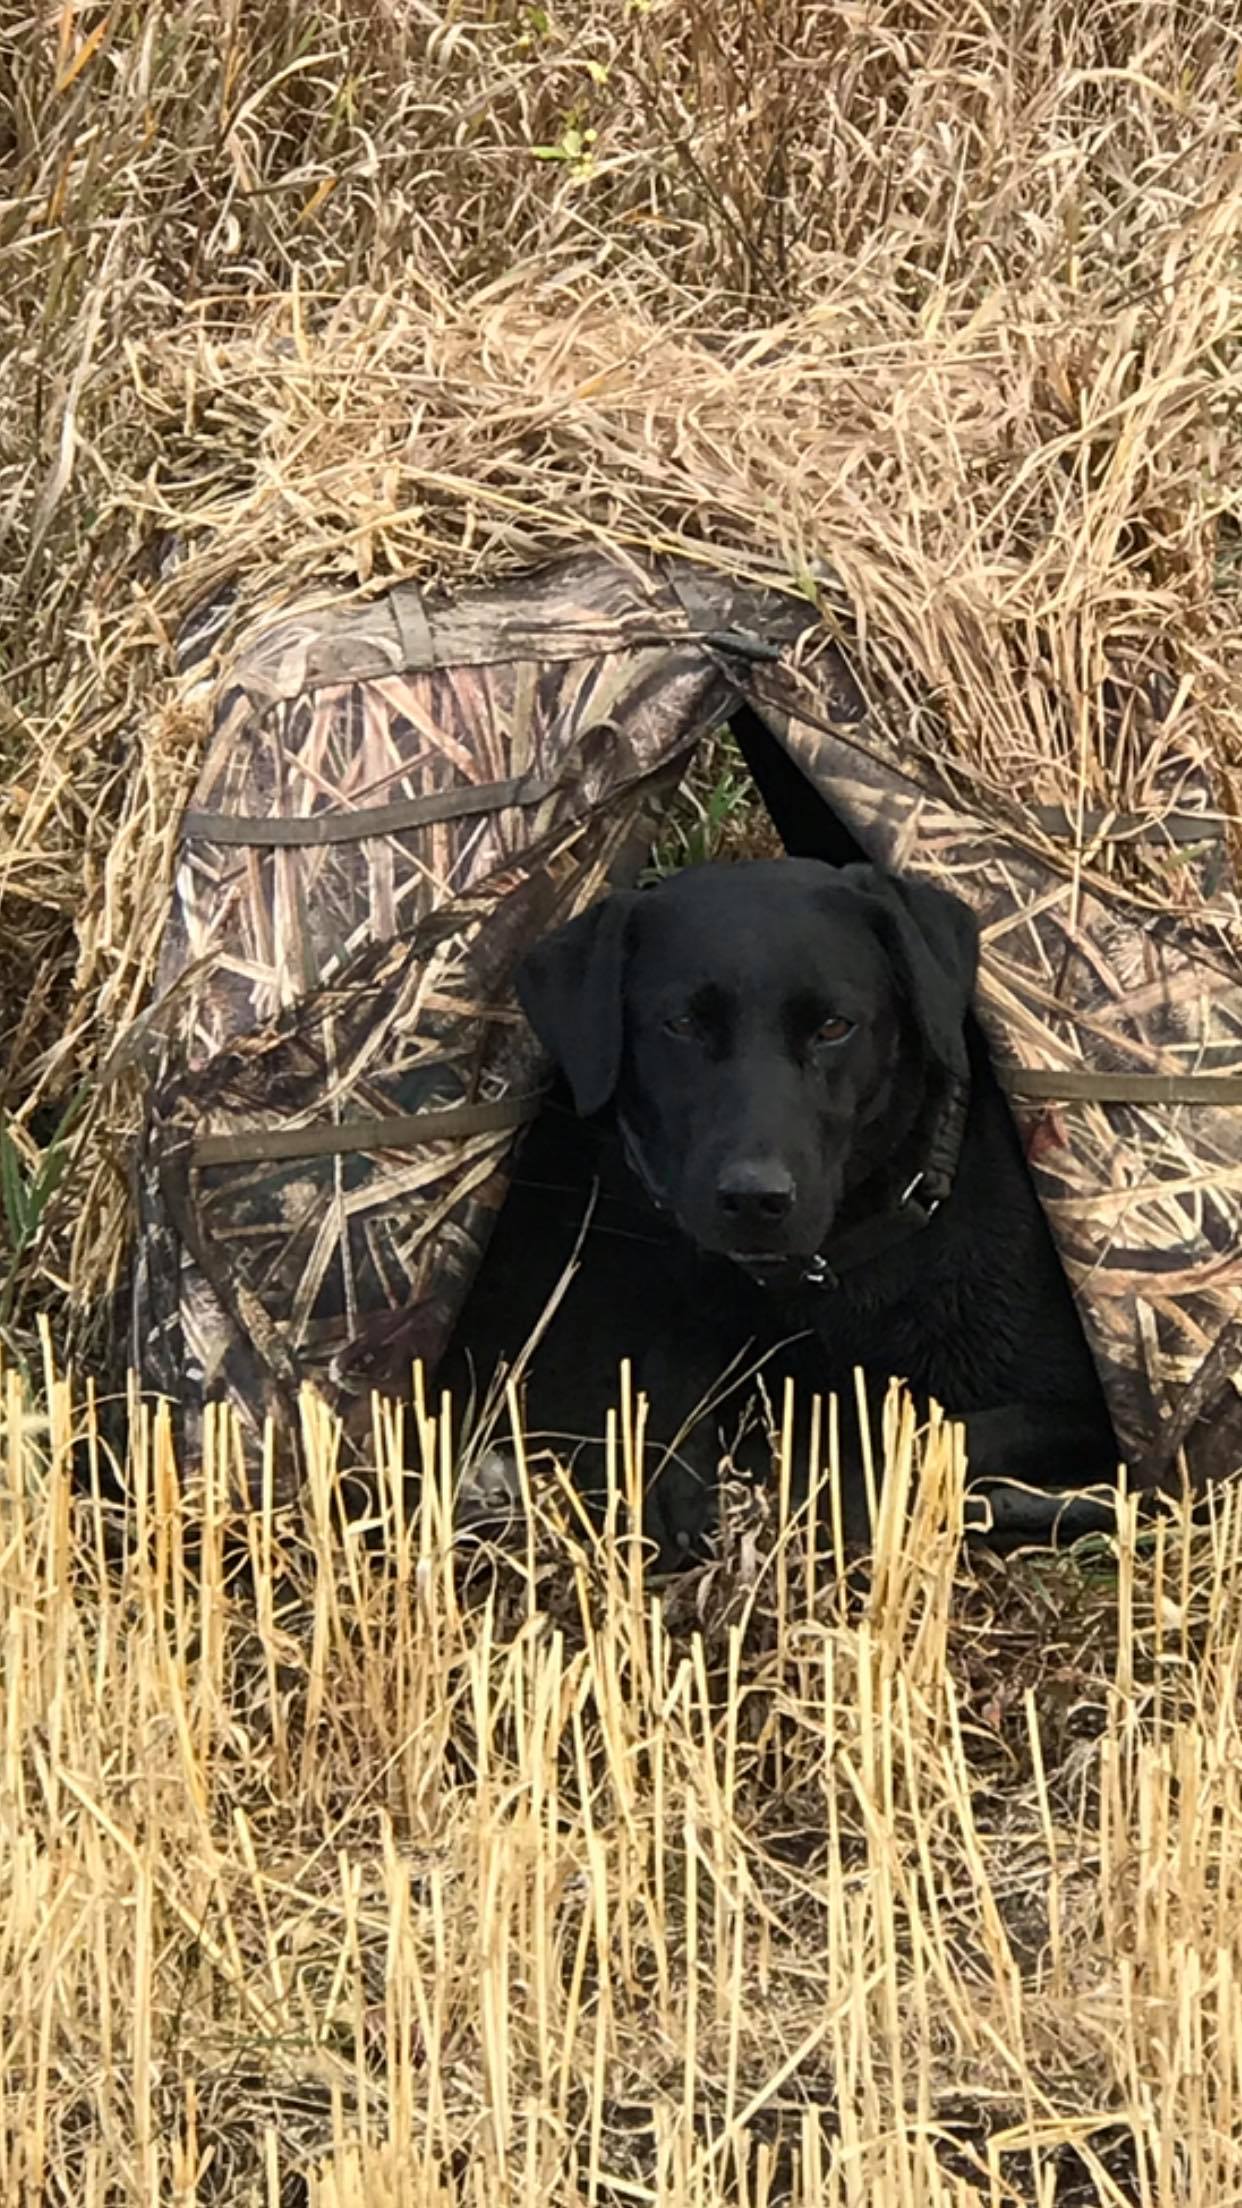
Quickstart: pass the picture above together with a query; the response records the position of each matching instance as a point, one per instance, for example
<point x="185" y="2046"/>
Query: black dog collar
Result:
<point x="915" y="1208"/>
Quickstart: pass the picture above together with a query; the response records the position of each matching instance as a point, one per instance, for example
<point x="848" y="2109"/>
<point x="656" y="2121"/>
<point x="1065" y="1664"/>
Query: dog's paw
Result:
<point x="1003" y="1515"/>
<point x="680" y="1515"/>
<point x="490" y="1492"/>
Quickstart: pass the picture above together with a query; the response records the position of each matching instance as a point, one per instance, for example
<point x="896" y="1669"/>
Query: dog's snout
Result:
<point x="755" y="1191"/>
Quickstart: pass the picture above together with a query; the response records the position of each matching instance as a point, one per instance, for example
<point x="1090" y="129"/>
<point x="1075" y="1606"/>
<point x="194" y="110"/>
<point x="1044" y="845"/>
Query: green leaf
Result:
<point x="13" y="1188"/>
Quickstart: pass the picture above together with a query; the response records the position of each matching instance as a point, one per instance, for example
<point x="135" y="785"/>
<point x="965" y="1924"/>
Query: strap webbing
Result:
<point x="413" y="625"/>
<point x="302" y="830"/>
<point x="1079" y="1085"/>
<point x="399" y="1131"/>
<point x="1118" y="827"/>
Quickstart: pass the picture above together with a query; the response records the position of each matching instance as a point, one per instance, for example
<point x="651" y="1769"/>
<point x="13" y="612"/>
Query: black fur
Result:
<point x="759" y="1056"/>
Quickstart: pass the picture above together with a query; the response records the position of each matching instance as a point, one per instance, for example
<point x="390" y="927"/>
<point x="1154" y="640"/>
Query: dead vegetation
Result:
<point x="348" y="1871"/>
<point x="349" y="1867"/>
<point x="938" y="311"/>
<point x="327" y="1876"/>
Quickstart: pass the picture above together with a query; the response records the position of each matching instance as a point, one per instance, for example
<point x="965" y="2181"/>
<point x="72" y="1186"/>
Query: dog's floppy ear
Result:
<point x="570" y="987"/>
<point x="933" y="941"/>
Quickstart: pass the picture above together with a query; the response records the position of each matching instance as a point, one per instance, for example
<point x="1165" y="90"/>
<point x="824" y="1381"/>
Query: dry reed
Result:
<point x="346" y="1863"/>
<point x="933" y="313"/>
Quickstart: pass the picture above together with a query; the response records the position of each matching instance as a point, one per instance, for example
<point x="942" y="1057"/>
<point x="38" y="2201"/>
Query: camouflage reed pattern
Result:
<point x="1145" y="1199"/>
<point x="370" y="977"/>
<point x="399" y="796"/>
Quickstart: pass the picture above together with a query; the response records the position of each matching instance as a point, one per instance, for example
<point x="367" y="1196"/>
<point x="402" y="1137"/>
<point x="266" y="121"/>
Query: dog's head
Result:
<point x="765" y="1034"/>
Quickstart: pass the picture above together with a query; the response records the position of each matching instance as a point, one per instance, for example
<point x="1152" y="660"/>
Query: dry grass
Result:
<point x="336" y="1871"/>
<point x="941" y="304"/>
<point x="323" y="1877"/>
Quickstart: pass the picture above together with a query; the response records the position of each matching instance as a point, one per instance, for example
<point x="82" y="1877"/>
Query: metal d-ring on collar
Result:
<point x="872" y="1237"/>
<point x="917" y="1204"/>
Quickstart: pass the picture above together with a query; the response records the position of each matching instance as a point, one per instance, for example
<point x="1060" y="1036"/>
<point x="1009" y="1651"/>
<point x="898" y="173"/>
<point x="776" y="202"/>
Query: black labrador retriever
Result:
<point x="782" y="1121"/>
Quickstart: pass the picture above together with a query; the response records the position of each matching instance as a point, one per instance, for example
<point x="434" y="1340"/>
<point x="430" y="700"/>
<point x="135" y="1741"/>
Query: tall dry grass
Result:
<point x="939" y="302"/>
<point x="339" y="1868"/>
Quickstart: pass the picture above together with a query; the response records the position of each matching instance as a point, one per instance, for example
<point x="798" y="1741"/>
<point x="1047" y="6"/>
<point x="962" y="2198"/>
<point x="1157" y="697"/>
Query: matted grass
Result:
<point x="340" y="1871"/>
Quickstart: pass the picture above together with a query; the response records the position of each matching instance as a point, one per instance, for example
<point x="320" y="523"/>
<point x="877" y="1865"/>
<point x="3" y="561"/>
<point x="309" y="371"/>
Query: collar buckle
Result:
<point x="818" y="1273"/>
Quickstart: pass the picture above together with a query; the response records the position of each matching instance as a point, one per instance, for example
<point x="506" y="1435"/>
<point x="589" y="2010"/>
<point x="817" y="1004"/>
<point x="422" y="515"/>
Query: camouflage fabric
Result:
<point x="1077" y="987"/>
<point x="399" y="796"/>
<point x="466" y="775"/>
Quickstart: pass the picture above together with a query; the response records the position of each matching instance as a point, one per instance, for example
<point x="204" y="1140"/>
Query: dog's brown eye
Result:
<point x="682" y="1025"/>
<point x="833" y="1030"/>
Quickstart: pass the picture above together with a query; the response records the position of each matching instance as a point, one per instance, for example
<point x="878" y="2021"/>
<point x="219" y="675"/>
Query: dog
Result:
<point x="778" y="1147"/>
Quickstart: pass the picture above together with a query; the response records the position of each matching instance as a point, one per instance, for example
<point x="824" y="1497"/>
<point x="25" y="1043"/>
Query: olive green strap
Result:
<point x="399" y="1131"/>
<point x="406" y="1130"/>
<point x="302" y="830"/>
<point x="1119" y="827"/>
<point x="1082" y="1086"/>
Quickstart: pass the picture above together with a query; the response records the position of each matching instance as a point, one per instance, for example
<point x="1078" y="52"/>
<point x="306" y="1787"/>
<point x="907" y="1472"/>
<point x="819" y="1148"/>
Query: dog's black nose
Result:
<point x="756" y="1192"/>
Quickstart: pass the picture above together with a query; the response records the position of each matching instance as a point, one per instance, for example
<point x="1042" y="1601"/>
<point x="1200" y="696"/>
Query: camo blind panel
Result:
<point x="1145" y="1201"/>
<point x="352" y="980"/>
<point x="305" y="985"/>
